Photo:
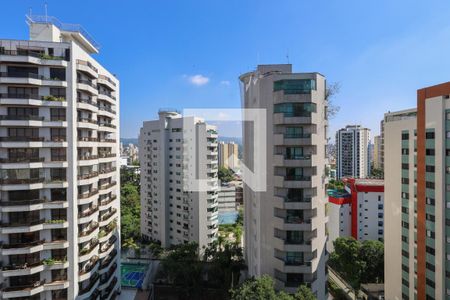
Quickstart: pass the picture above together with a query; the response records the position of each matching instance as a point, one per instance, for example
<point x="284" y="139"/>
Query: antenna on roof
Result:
<point x="46" y="15"/>
<point x="287" y="56"/>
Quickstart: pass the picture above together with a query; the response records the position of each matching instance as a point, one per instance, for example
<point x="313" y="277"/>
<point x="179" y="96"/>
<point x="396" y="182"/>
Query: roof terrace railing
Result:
<point x="39" y="19"/>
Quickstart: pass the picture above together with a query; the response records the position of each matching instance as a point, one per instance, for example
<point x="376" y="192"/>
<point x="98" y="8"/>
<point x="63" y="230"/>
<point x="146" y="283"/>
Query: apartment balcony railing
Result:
<point x="87" y="101"/>
<point x="108" y="215"/>
<point x="106" y="155"/>
<point x="30" y="53"/>
<point x="297" y="135"/>
<point x="22" y="266"/>
<point x="22" y="223"/>
<point x="107" y="125"/>
<point x="89" y="212"/>
<point x="108" y="244"/>
<point x="107" y="79"/>
<point x="58" y="138"/>
<point x="107" y="186"/>
<point x="105" y="263"/>
<point x="87" y="139"/>
<point x="108" y="200"/>
<point x="91" y="229"/>
<point x="297" y="157"/>
<point x="87" y="120"/>
<point x="90" y="266"/>
<point x="297" y="178"/>
<point x="21" y="245"/>
<point x="21" y="139"/>
<point x="28" y="75"/>
<point x="104" y="108"/>
<point x="22" y="181"/>
<point x="58" y="118"/>
<point x="21" y="118"/>
<point x="105" y="171"/>
<point x="29" y="286"/>
<point x="91" y="284"/>
<point x="109" y="289"/>
<point x="110" y="272"/>
<point x="87" y="82"/>
<point x="87" y="156"/>
<point x="88" y="64"/>
<point x="21" y="160"/>
<point x="87" y="195"/>
<point x="27" y="202"/>
<point x="298" y="199"/>
<point x="107" y="140"/>
<point x="88" y="175"/>
<point x="89" y="249"/>
<point x="58" y="158"/>
<point x="107" y="94"/>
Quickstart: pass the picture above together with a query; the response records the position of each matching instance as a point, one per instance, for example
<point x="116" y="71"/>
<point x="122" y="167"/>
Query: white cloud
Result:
<point x="198" y="79"/>
<point x="225" y="82"/>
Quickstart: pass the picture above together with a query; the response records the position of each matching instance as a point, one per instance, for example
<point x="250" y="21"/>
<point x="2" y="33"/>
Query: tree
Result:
<point x="130" y="204"/>
<point x="262" y="288"/>
<point x="304" y="293"/>
<point x="331" y="91"/>
<point x="377" y="173"/>
<point x="358" y="262"/>
<point x="372" y="253"/>
<point x="225" y="174"/>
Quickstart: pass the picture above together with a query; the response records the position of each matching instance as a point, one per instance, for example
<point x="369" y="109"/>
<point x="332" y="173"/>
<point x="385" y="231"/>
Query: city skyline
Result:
<point x="196" y="65"/>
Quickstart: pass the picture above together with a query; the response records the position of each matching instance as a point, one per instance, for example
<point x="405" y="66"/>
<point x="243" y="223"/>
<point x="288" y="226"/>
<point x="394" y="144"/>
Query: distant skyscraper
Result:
<point x="285" y="234"/>
<point x="352" y="152"/>
<point x="59" y="149"/>
<point x="417" y="201"/>
<point x="169" y="213"/>
<point x="377" y="152"/>
<point x="228" y="155"/>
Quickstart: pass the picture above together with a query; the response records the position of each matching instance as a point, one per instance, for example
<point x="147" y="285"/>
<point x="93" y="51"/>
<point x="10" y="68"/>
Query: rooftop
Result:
<point x="64" y="27"/>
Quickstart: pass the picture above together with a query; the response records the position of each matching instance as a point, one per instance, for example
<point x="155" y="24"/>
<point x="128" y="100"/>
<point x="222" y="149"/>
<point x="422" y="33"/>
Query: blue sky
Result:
<point x="188" y="54"/>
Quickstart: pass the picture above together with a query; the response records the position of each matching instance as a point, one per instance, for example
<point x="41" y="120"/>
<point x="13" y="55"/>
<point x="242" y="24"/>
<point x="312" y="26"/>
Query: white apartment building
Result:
<point x="59" y="195"/>
<point x="285" y="234"/>
<point x="417" y="200"/>
<point x="227" y="199"/>
<point x="352" y="152"/>
<point x="377" y="152"/>
<point x="358" y="211"/>
<point x="170" y="213"/>
<point x="228" y="155"/>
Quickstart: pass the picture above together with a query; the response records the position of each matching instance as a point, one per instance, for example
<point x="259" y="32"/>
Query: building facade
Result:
<point x="59" y="141"/>
<point x="285" y="234"/>
<point x="352" y="152"/>
<point x="417" y="238"/>
<point x="228" y="155"/>
<point x="358" y="212"/>
<point x="170" y="213"/>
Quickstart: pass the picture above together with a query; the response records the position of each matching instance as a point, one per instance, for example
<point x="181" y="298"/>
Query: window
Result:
<point x="294" y="132"/>
<point x="23" y="92"/>
<point x="58" y="73"/>
<point x="429" y="135"/>
<point x="295" y="86"/>
<point x="58" y="154"/>
<point x="405" y="166"/>
<point x="58" y="92"/>
<point x="405" y="136"/>
<point x="405" y="180"/>
<point x="23" y="111"/>
<point x="294" y="152"/>
<point x="429" y="185"/>
<point x="58" y="134"/>
<point x="23" y="132"/>
<point x="58" y="114"/>
<point x="429" y="169"/>
<point x="405" y="151"/>
<point x="23" y="154"/>
<point x="295" y="109"/>
<point x="430" y="250"/>
<point x="429" y="152"/>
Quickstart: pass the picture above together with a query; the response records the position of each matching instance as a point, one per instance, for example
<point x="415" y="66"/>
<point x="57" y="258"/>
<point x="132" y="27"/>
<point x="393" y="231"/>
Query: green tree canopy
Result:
<point x="225" y="174"/>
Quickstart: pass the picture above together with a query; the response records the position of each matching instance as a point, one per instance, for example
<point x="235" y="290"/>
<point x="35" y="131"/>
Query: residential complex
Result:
<point x="352" y="152"/>
<point x="170" y="213"/>
<point x="285" y="233"/>
<point x="358" y="211"/>
<point x="230" y="196"/>
<point x="228" y="155"/>
<point x="416" y="167"/>
<point x="59" y="135"/>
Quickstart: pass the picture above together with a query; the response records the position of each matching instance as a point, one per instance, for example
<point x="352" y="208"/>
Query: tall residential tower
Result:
<point x="285" y="234"/>
<point x="59" y="196"/>
<point x="417" y="199"/>
<point x="170" y="213"/>
<point x="352" y="152"/>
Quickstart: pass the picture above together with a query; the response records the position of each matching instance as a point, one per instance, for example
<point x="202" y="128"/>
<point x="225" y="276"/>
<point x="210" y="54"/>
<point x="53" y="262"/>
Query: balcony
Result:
<point x="87" y="156"/>
<point x="86" y="292"/>
<point x="18" y="160"/>
<point x="88" y="194"/>
<point x="107" y="171"/>
<point x="108" y="245"/>
<point x="88" y="269"/>
<point x="107" y="186"/>
<point x="30" y="205"/>
<point x="87" y="86"/>
<point x="83" y="217"/>
<point x="32" y="99"/>
<point x="27" y="290"/>
<point x="87" y="104"/>
<point x="108" y="201"/>
<point x="105" y="217"/>
<point x="87" y="67"/>
<point x="106" y="277"/>
<point x="84" y="253"/>
<point x="106" y="97"/>
<point x="106" y="262"/>
<point x="88" y="231"/>
<point x="108" y="82"/>
<point x="21" y="118"/>
<point x="110" y="289"/>
<point x="24" y="269"/>
<point x="30" y="78"/>
<point x="87" y="123"/>
<point x="107" y="109"/>
<point x="107" y="140"/>
<point x="87" y="175"/>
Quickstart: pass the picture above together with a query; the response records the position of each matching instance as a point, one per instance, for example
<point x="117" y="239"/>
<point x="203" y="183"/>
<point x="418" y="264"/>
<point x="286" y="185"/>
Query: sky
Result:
<point x="188" y="54"/>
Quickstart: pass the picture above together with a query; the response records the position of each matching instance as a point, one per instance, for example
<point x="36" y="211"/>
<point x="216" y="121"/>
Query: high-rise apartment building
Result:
<point x="285" y="234"/>
<point x="352" y="152"/>
<point x="59" y="135"/>
<point x="376" y="152"/>
<point x="417" y="230"/>
<point x="170" y="213"/>
<point x="228" y="155"/>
